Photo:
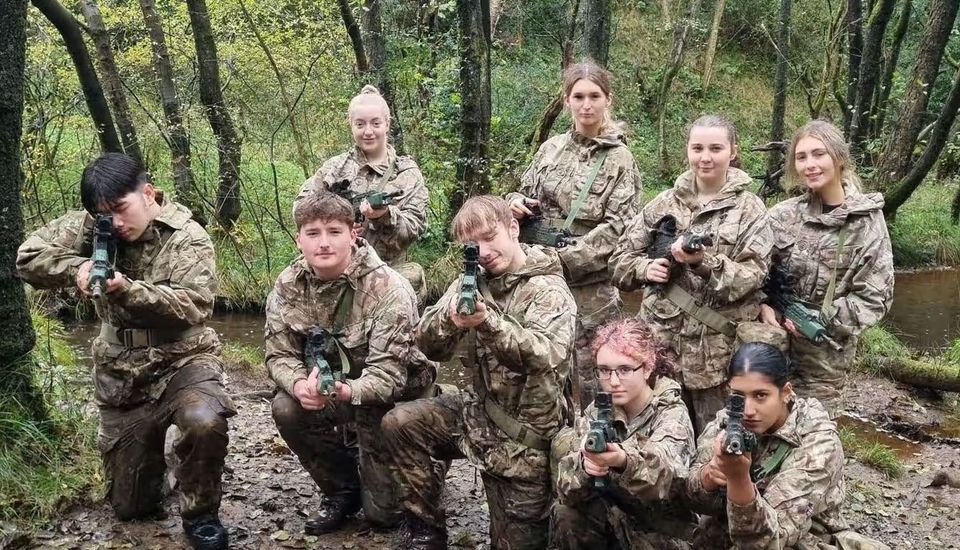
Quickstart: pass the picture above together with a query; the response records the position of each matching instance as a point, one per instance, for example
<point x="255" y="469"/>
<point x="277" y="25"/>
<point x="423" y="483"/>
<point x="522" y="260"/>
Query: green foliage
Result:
<point x="244" y="358"/>
<point x="44" y="464"/>
<point x="876" y="455"/>
<point x="952" y="355"/>
<point x="922" y="233"/>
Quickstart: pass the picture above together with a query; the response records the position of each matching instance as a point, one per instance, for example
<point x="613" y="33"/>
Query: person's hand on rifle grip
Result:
<point x="83" y="277"/>
<point x="521" y="207"/>
<point x="305" y="391"/>
<point x="471" y="320"/>
<point x="599" y="464"/>
<point x="658" y="271"/>
<point x="370" y="212"/>
<point x="344" y="393"/>
<point x="692" y="259"/>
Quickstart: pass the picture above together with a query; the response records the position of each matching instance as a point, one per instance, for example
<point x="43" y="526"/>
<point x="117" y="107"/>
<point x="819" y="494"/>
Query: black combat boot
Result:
<point x="206" y="533"/>
<point x="333" y="512"/>
<point x="416" y="534"/>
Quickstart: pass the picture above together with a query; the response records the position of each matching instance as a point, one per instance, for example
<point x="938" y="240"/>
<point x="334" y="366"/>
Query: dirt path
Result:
<point x="267" y="495"/>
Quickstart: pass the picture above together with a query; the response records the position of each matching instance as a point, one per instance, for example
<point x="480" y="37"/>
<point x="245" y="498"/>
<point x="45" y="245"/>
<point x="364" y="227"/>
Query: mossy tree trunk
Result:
<point x="18" y="336"/>
<point x="780" y="86"/>
<point x="596" y="30"/>
<point x="880" y="15"/>
<point x="376" y="48"/>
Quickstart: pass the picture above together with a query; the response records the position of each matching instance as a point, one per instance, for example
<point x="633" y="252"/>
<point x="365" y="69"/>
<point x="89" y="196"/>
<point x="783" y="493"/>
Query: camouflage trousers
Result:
<point x="596" y="525"/>
<point x="419" y="431"/>
<point x="323" y="442"/>
<point x="596" y="304"/>
<point x="821" y="372"/>
<point x="413" y="273"/>
<point x="131" y="442"/>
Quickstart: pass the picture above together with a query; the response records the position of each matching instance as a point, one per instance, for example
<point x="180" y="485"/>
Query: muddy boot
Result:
<point x="333" y="512"/>
<point x="206" y="533"/>
<point x="416" y="534"/>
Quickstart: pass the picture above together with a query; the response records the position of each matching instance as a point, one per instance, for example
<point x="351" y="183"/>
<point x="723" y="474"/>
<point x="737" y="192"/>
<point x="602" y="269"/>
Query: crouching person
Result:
<point x="339" y="337"/>
<point x="515" y="347"/>
<point x="155" y="362"/>
<point x="621" y="494"/>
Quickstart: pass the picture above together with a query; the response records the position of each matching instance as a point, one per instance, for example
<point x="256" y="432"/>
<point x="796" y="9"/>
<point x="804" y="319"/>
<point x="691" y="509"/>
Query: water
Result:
<point x="868" y="432"/>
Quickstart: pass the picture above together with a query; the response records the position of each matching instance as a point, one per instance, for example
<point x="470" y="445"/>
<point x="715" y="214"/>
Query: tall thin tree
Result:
<point x="854" y="53"/>
<point x="869" y="73"/>
<point x="356" y="37"/>
<point x="211" y="94"/>
<point x="376" y="48"/>
<point x="780" y="85"/>
<point x="596" y="29"/>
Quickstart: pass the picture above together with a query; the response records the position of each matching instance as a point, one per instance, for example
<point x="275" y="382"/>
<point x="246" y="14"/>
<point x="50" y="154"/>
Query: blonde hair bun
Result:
<point x="369" y="89"/>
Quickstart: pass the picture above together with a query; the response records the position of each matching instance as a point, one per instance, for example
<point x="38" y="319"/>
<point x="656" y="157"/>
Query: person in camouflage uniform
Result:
<point x="655" y="448"/>
<point x="373" y="165"/>
<point x="695" y="301"/>
<point x="341" y="285"/>
<point x="785" y="493"/>
<point x="515" y="347"/>
<point x="156" y="363"/>
<point x="591" y="158"/>
<point x="832" y="233"/>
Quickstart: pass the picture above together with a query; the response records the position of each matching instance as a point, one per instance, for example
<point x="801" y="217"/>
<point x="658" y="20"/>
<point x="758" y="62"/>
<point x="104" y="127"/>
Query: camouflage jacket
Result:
<point x="807" y="242"/>
<point x="559" y="171"/>
<point x="728" y="280"/>
<point x="806" y="489"/>
<point x="522" y="348"/>
<point x="173" y="283"/>
<point x="406" y="219"/>
<point x="659" y="444"/>
<point x="377" y="334"/>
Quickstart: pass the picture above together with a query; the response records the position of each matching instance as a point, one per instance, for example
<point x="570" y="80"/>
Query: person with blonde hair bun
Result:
<point x="585" y="180"/>
<point x="372" y="164"/>
<point x="833" y="245"/>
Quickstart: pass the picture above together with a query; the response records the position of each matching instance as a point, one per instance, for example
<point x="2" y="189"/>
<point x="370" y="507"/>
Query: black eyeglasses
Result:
<point x="622" y="372"/>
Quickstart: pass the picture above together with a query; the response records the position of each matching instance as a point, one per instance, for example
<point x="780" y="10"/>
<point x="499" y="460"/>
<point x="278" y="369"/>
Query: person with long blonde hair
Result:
<point x="372" y="164"/>
<point x="586" y="181"/>
<point x="833" y="244"/>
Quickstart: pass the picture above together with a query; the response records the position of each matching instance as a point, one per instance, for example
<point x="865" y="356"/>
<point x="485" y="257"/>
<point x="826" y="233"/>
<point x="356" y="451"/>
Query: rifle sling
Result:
<point x="685" y="301"/>
<point x="772" y="464"/>
<point x="582" y="196"/>
<point x="509" y="425"/>
<point x="391" y="170"/>
<point x="828" y="309"/>
<point x="344" y="305"/>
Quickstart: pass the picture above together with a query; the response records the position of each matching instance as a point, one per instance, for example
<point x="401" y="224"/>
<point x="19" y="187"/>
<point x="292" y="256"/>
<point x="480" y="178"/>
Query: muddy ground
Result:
<point x="267" y="495"/>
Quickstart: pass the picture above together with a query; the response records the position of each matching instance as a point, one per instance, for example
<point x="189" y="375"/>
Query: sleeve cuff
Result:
<point x="709" y="264"/>
<point x="387" y="220"/>
<point x="491" y="325"/>
<point x="356" y="392"/>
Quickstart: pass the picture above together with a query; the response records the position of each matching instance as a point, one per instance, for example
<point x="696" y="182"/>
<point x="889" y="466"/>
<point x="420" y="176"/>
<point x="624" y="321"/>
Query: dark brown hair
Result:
<point x="323" y="205"/>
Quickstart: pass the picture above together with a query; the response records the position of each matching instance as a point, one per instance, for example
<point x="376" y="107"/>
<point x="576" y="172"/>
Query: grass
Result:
<point x="244" y="358"/>
<point x="922" y="233"/>
<point x="876" y="455"/>
<point x="952" y="355"/>
<point x="877" y="341"/>
<point x="44" y="465"/>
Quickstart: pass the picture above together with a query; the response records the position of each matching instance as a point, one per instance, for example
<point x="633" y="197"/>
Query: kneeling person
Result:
<point x="516" y="349"/>
<point x="621" y="495"/>
<point x="156" y="364"/>
<point x="357" y="316"/>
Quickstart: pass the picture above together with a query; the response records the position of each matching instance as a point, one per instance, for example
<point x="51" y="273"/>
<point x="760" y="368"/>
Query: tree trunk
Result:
<point x="923" y="374"/>
<point x="353" y="31"/>
<point x="832" y="62"/>
<point x="596" y="30"/>
<point x="553" y="110"/>
<point x="898" y="152"/>
<point x="211" y="94"/>
<point x="854" y="52"/>
<point x="869" y="71"/>
<point x="16" y="387"/>
<point x="938" y="138"/>
<point x="890" y="67"/>
<point x="712" y="43"/>
<point x="377" y="52"/>
<point x="681" y="36"/>
<point x="111" y="79"/>
<point x="475" y="44"/>
<point x="955" y="208"/>
<point x="306" y="161"/>
<point x="780" y="86"/>
<point x="176" y="135"/>
<point x="69" y="29"/>
<point x="665" y="13"/>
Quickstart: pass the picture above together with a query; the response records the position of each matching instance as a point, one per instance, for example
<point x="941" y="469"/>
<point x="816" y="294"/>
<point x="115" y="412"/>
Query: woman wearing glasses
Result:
<point x="655" y="445"/>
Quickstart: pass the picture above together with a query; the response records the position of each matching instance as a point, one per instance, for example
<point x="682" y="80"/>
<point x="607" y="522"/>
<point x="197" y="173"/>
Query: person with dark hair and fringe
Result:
<point x="585" y="180"/>
<point x="785" y="492"/>
<point x="833" y="244"/>
<point x="156" y="362"/>
<point x="372" y="165"/>
<point x="654" y="450"/>
<point x="699" y="301"/>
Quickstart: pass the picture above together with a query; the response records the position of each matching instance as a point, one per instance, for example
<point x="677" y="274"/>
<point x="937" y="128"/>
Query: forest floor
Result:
<point x="267" y="495"/>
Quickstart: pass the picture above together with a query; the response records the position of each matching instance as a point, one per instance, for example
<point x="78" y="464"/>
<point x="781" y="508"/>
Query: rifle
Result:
<point x="601" y="432"/>
<point x="738" y="440"/>
<point x="376" y="199"/>
<point x="534" y="229"/>
<point x="319" y="347"/>
<point x="780" y="295"/>
<point x="467" y="298"/>
<point x="103" y="244"/>
<point x="662" y="237"/>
